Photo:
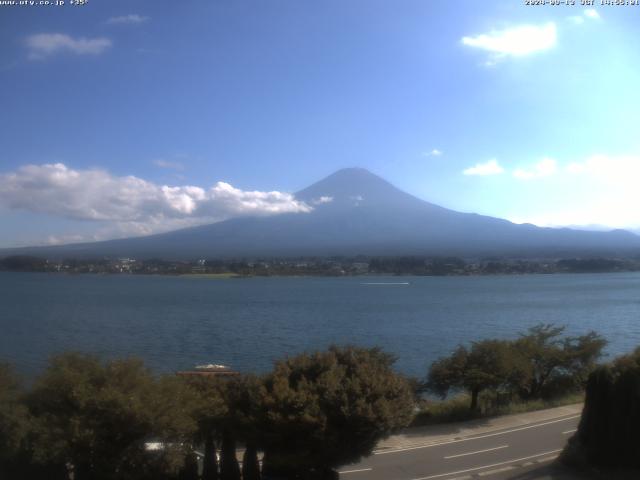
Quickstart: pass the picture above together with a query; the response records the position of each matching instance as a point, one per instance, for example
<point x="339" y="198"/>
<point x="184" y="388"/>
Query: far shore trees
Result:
<point x="540" y="363"/>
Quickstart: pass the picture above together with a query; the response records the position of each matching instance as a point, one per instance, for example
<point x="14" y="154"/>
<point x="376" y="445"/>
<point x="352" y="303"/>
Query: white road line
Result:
<point x="479" y="451"/>
<point x="570" y="431"/>
<point x="547" y="459"/>
<point x="447" y="442"/>
<point x="440" y="475"/>
<point x="496" y="470"/>
<point x="355" y="471"/>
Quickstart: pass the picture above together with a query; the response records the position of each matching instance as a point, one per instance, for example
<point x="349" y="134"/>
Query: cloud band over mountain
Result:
<point x="97" y="195"/>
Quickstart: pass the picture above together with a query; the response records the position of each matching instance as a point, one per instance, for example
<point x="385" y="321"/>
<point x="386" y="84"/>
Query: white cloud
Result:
<point x="613" y="170"/>
<point x="433" y="153"/>
<point x="589" y="13"/>
<point x="321" y="200"/>
<point x="515" y="42"/>
<point x="600" y="190"/>
<point x="492" y="167"/>
<point x="41" y="45"/>
<point x="161" y="163"/>
<point x="131" y="19"/>
<point x="544" y="168"/>
<point x="130" y="204"/>
<point x="592" y="13"/>
<point x="71" y="238"/>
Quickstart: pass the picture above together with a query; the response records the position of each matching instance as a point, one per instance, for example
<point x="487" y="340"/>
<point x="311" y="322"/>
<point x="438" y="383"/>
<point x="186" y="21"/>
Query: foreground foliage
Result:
<point x="13" y="419"/>
<point x="331" y="408"/>
<point x="456" y="408"/>
<point x="88" y="419"/>
<point x="85" y="418"/>
<point x="608" y="432"/>
<point x="96" y="418"/>
<point x="540" y="364"/>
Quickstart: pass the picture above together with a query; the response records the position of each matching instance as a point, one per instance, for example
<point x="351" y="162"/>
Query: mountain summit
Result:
<point x="357" y="186"/>
<point x="356" y="212"/>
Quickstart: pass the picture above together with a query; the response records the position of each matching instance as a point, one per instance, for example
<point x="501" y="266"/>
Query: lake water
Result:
<point x="177" y="322"/>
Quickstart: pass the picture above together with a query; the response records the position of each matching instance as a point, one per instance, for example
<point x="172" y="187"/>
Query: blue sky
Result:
<point x="130" y="117"/>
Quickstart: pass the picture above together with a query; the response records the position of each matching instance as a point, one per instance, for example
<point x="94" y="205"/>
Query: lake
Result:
<point x="178" y="322"/>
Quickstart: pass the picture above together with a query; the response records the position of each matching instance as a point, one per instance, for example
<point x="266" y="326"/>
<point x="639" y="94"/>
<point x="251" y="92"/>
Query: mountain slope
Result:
<point x="357" y="212"/>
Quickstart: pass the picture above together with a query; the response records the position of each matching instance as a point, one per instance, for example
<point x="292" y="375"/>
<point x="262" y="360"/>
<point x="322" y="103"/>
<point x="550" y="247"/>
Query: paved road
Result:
<point x="498" y="454"/>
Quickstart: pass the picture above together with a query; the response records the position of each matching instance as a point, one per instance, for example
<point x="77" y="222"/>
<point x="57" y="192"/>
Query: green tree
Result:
<point x="539" y="363"/>
<point x="229" y="411"/>
<point x="244" y="397"/>
<point x="546" y="358"/>
<point x="448" y="372"/>
<point x="211" y="411"/>
<point x="13" y="415"/>
<point x="14" y="420"/>
<point x="486" y="365"/>
<point x="330" y="408"/>
<point x="97" y="417"/>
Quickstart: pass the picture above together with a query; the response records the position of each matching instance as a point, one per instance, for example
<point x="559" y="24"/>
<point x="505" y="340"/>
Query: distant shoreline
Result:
<point x="233" y="276"/>
<point x="326" y="266"/>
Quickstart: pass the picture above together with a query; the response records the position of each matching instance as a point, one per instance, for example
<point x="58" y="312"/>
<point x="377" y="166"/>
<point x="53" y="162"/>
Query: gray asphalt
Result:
<point x="500" y="454"/>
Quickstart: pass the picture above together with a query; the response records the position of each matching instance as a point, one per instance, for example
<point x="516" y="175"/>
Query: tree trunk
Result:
<point x="474" y="398"/>
<point x="533" y="391"/>
<point x="250" y="464"/>
<point x="229" y="468"/>
<point x="210" y="464"/>
<point x="275" y="468"/>
<point x="189" y="470"/>
<point x="81" y="472"/>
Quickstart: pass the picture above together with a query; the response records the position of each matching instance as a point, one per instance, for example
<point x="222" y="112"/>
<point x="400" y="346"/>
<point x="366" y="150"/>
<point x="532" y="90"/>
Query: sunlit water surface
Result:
<point x="177" y="322"/>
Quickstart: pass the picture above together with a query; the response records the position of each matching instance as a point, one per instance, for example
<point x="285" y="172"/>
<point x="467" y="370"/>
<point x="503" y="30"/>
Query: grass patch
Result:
<point x="522" y="407"/>
<point x="456" y="409"/>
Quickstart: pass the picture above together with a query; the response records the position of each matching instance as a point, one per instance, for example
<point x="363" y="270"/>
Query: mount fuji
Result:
<point x="356" y="212"/>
